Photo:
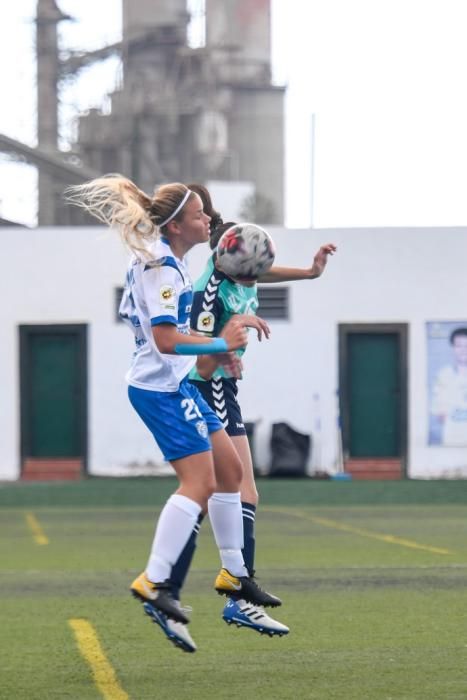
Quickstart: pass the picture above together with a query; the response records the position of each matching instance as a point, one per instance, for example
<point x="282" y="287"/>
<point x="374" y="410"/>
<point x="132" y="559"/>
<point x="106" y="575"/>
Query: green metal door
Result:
<point x="374" y="395"/>
<point x="53" y="391"/>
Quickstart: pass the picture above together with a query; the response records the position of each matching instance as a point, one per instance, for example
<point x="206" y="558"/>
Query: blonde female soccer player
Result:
<point x="160" y="229"/>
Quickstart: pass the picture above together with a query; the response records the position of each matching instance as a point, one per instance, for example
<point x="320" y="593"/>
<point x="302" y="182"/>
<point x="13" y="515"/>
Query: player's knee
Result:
<point x="249" y="495"/>
<point x="229" y="478"/>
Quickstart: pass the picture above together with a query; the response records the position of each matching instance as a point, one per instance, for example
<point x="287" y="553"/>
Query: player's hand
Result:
<point x="235" y="334"/>
<point x="259" y="324"/>
<point x="321" y="258"/>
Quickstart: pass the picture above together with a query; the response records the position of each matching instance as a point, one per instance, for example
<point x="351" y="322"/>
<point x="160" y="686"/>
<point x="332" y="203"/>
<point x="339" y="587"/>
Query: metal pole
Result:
<point x="312" y="171"/>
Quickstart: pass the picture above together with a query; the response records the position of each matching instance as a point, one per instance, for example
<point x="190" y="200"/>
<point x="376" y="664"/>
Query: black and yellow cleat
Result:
<point x="246" y="588"/>
<point x="159" y="596"/>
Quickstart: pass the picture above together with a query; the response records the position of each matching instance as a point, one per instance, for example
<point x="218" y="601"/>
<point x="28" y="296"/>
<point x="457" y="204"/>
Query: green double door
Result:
<point x="53" y="386"/>
<point x="373" y="390"/>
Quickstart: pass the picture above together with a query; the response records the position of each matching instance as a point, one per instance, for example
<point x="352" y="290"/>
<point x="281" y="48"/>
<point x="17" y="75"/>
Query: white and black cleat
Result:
<point x="244" y="614"/>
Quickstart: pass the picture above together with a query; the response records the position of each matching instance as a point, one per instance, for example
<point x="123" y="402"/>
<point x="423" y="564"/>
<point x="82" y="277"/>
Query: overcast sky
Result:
<point x="385" y="79"/>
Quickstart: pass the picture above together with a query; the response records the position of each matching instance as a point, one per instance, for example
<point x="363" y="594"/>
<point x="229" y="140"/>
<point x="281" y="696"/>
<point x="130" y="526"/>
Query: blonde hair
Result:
<point x="118" y="202"/>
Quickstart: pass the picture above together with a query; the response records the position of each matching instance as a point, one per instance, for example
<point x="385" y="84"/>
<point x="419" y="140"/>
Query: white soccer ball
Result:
<point x="245" y="251"/>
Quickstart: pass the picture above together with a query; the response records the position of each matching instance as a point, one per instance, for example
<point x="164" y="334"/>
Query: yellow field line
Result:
<point x="90" y="648"/>
<point x="36" y="529"/>
<point x="389" y="539"/>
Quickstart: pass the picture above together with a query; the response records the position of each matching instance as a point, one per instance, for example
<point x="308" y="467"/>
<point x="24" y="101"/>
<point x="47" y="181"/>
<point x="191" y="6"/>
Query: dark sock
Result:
<point x="248" y="551"/>
<point x="183" y="563"/>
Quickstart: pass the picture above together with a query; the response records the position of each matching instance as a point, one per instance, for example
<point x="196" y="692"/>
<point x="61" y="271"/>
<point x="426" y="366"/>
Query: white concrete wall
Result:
<point x="55" y="275"/>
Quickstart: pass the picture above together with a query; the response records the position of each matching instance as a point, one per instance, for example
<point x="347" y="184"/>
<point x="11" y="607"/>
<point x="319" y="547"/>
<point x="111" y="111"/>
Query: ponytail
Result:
<point x="118" y="202"/>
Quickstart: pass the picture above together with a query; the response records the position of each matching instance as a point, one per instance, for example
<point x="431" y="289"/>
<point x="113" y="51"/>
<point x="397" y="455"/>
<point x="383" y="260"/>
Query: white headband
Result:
<point x="174" y="213"/>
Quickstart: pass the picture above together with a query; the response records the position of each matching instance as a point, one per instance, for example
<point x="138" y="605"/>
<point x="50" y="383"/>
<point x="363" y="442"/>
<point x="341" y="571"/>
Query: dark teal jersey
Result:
<point x="216" y="299"/>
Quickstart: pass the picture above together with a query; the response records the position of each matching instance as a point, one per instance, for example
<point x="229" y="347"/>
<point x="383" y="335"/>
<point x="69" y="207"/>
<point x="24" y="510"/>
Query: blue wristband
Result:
<point x="211" y="347"/>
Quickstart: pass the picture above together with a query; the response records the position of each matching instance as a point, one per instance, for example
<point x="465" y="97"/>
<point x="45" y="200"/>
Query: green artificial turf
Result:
<point x="154" y="491"/>
<point x="370" y="619"/>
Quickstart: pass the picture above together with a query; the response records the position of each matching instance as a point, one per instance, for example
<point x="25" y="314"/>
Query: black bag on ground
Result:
<point x="290" y="451"/>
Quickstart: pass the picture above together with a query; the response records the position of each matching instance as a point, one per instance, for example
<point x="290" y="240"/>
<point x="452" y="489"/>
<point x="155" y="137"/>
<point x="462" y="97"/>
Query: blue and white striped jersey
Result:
<point x="158" y="290"/>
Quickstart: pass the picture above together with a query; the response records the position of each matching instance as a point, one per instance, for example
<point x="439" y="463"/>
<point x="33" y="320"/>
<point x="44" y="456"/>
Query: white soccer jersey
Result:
<point x="158" y="290"/>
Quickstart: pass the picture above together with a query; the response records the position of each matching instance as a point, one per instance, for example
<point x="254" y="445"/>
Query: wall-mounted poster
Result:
<point x="447" y="382"/>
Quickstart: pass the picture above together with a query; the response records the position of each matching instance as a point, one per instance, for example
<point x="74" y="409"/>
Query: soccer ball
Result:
<point x="245" y="251"/>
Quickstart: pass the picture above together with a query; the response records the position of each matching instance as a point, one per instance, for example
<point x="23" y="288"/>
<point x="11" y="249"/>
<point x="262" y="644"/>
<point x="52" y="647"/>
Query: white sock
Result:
<point x="225" y="514"/>
<point x="174" y="527"/>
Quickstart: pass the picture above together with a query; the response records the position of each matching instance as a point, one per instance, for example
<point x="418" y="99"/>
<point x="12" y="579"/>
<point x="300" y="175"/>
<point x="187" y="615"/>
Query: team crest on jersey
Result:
<point x="166" y="293"/>
<point x="205" y="322"/>
<point x="202" y="428"/>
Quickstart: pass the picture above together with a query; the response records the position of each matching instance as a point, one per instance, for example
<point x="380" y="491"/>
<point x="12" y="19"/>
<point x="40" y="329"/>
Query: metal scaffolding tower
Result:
<point x="181" y="113"/>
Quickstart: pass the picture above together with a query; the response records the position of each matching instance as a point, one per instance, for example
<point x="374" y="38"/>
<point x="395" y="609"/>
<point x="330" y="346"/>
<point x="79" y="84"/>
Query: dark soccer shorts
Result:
<point x="221" y="395"/>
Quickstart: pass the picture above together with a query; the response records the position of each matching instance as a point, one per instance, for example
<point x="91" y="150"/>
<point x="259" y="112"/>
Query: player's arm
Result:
<point x="259" y="324"/>
<point x="171" y="342"/>
<point x="207" y="364"/>
<point x="163" y="291"/>
<point x="292" y="274"/>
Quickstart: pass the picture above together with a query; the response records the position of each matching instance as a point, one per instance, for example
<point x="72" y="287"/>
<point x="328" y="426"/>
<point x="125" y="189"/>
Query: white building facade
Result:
<point x="351" y="362"/>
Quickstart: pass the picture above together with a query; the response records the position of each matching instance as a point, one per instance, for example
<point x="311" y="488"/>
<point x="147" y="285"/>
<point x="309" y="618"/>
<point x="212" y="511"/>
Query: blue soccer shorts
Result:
<point x="180" y="421"/>
<point x="221" y="395"/>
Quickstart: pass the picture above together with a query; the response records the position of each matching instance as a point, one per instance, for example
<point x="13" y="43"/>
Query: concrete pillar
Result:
<point x="47" y="18"/>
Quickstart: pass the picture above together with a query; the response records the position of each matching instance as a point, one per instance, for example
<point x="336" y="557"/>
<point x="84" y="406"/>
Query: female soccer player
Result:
<point x="217" y="299"/>
<point x="156" y="303"/>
